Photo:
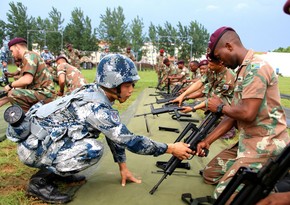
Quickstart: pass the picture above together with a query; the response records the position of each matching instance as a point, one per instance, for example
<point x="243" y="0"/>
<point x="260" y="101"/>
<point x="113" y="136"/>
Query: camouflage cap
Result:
<point x="45" y="48"/>
<point x="287" y="7"/>
<point x="214" y="39"/>
<point x="203" y="62"/>
<point x="16" y="41"/>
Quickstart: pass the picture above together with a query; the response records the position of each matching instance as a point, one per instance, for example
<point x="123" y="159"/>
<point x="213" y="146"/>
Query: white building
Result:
<point x="279" y="61"/>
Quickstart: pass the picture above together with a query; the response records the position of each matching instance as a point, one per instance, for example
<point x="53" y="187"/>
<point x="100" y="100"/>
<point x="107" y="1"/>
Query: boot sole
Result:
<point x="31" y="194"/>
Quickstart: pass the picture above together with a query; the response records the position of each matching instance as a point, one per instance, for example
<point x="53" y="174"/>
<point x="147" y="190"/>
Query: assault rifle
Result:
<point x="168" y="107"/>
<point x="3" y="93"/>
<point x="196" y="135"/>
<point x="257" y="185"/>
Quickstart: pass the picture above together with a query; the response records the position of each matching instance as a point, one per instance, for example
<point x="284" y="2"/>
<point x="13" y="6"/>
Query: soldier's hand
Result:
<point x="178" y="100"/>
<point x="187" y="109"/>
<point x="60" y="93"/>
<point x="200" y="149"/>
<point x="213" y="103"/>
<point x="180" y="150"/>
<point x="127" y="175"/>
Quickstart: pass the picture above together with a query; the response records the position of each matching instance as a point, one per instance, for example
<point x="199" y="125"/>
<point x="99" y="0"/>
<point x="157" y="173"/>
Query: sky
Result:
<point x="261" y="24"/>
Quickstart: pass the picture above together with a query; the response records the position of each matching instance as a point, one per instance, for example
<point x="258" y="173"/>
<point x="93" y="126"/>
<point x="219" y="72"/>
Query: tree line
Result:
<point x="190" y="40"/>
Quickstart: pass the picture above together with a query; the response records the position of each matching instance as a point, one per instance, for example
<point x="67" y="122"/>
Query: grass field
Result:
<point x="14" y="175"/>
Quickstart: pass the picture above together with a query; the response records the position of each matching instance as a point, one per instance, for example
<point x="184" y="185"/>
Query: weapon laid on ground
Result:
<point x="172" y="107"/>
<point x="256" y="185"/>
<point x="197" y="134"/>
<point x="163" y="100"/>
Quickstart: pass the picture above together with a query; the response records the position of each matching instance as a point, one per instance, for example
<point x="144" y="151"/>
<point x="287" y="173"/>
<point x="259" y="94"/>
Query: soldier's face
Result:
<point x="15" y="52"/>
<point x="126" y="91"/>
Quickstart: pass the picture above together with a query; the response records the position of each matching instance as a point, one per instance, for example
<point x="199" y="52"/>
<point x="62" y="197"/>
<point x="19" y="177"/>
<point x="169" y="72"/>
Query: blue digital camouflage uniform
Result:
<point x="63" y="134"/>
<point x="47" y="56"/>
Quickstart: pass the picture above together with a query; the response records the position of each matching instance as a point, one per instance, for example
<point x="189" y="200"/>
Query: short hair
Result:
<point x="166" y="60"/>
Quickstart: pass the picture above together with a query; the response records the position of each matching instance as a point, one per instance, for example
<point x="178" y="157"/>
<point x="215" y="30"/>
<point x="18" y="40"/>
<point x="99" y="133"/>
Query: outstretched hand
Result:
<point x="178" y="100"/>
<point x="180" y="150"/>
<point x="127" y="175"/>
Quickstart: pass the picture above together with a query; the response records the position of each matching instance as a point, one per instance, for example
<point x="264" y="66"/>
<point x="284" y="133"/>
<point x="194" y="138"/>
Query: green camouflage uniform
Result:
<point x="130" y="55"/>
<point x="159" y="65"/>
<point x="73" y="77"/>
<point x="260" y="139"/>
<point x="74" y="58"/>
<point x="167" y="71"/>
<point x="42" y="86"/>
<point x="220" y="84"/>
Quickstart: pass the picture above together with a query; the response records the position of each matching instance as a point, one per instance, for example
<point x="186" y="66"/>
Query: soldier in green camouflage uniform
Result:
<point x="36" y="82"/>
<point x="219" y="81"/>
<point x="159" y="66"/>
<point x="255" y="110"/>
<point x="168" y="70"/>
<point x="73" y="56"/>
<point x="68" y="76"/>
<point x="129" y="54"/>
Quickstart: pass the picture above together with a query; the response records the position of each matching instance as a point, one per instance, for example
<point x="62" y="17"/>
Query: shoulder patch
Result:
<point x="226" y="87"/>
<point x="255" y="65"/>
<point x="115" y="117"/>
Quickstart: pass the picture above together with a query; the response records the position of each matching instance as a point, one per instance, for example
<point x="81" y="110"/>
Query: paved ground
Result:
<point x="103" y="186"/>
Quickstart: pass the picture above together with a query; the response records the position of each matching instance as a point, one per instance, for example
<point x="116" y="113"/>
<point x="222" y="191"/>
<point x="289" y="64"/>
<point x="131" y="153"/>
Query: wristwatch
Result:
<point x="10" y="86"/>
<point x="220" y="107"/>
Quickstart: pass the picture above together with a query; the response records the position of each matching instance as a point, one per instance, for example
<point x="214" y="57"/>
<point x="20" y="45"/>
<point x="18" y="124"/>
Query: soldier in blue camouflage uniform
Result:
<point x="60" y="137"/>
<point x="47" y="56"/>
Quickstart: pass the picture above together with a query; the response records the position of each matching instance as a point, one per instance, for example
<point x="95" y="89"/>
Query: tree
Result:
<point x="79" y="32"/>
<point x="2" y="31"/>
<point x="113" y="29"/>
<point x="199" y="38"/>
<point x="284" y="50"/>
<point x="137" y="37"/>
<point x="18" y="21"/>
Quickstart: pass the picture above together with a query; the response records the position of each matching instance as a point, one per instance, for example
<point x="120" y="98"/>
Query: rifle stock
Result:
<point x="197" y="134"/>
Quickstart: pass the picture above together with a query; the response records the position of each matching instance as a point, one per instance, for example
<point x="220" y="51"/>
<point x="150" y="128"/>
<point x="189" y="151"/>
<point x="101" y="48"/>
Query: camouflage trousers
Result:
<point x="25" y="98"/>
<point x="63" y="157"/>
<point x="221" y="169"/>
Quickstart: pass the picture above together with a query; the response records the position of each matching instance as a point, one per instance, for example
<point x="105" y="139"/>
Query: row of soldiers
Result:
<point x="36" y="76"/>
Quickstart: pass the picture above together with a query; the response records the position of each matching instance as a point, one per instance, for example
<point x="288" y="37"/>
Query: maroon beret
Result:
<point x="16" y="41"/>
<point x="287" y="7"/>
<point x="214" y="39"/>
<point x="180" y="62"/>
<point x="203" y="62"/>
<point x="161" y="51"/>
<point x="61" y="56"/>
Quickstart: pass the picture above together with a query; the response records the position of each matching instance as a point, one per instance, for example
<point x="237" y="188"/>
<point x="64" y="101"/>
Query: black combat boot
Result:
<point x="68" y="179"/>
<point x="41" y="187"/>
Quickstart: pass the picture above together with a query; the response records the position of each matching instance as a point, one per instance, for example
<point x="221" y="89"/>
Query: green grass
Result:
<point x="14" y="175"/>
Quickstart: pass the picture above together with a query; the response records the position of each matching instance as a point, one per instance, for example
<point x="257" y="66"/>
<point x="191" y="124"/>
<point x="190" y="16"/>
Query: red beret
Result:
<point x="161" y="51"/>
<point x="203" y="62"/>
<point x="180" y="62"/>
<point x="287" y="7"/>
<point x="61" y="56"/>
<point x="214" y="39"/>
<point x="16" y="41"/>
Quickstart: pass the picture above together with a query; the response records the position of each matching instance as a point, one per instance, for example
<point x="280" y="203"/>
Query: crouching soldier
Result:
<point x="59" y="138"/>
